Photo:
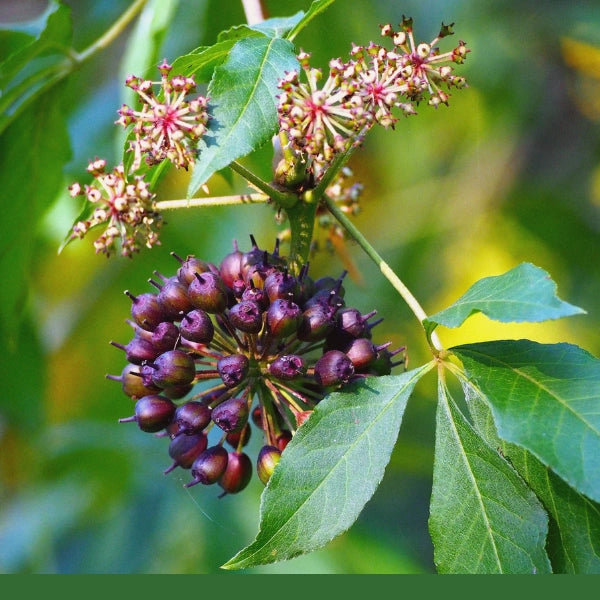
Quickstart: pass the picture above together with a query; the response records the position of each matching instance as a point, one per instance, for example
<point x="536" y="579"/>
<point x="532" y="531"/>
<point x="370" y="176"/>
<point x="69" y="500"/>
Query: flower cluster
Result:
<point x="124" y="207"/>
<point x="263" y="346"/>
<point x="321" y="122"/>
<point x="167" y="126"/>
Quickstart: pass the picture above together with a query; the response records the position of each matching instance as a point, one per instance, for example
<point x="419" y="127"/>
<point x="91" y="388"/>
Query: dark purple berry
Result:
<point x="209" y="293"/>
<point x="209" y="466"/>
<point x="190" y="266"/>
<point x="283" y="317"/>
<point x="192" y="417"/>
<point x="152" y="413"/>
<point x="281" y="285"/>
<point x="232" y="415"/>
<point x="173" y="298"/>
<point x="257" y="295"/>
<point x="350" y="321"/>
<point x="173" y="369"/>
<point x="233" y="369"/>
<point x="238" y="473"/>
<point x="362" y="352"/>
<point x="283" y="439"/>
<point x="197" y="327"/>
<point x="132" y="384"/>
<point x="146" y="310"/>
<point x="138" y="350"/>
<point x="230" y="268"/>
<point x="317" y="323"/>
<point x="165" y="336"/>
<point x="287" y="367"/>
<point x="239" y="438"/>
<point x="267" y="460"/>
<point x="185" y="449"/>
<point x="333" y="368"/>
<point x="246" y="316"/>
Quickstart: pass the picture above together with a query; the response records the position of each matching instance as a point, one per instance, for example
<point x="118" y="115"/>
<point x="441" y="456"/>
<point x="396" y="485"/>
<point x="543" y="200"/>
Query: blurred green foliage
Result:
<point x="510" y="172"/>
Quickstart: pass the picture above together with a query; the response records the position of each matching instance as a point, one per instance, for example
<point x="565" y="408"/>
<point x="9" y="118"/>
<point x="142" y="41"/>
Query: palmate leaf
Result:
<point x="525" y="293"/>
<point x="330" y="469"/>
<point x="546" y="399"/>
<point x="243" y="97"/>
<point x="574" y="529"/>
<point x="484" y="519"/>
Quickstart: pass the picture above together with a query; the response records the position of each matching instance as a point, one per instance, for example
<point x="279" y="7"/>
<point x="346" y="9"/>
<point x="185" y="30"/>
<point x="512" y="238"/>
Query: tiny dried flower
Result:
<point x="125" y="208"/>
<point x="167" y="128"/>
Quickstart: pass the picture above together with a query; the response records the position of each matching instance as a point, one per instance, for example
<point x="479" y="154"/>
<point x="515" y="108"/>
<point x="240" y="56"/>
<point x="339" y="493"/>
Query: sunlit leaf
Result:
<point x="574" y="528"/>
<point x="330" y="469"/>
<point x="243" y="96"/>
<point x="484" y="519"/>
<point x="544" y="398"/>
<point x="525" y="293"/>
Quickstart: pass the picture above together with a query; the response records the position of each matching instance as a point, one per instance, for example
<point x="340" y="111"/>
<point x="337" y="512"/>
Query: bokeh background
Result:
<point x="510" y="172"/>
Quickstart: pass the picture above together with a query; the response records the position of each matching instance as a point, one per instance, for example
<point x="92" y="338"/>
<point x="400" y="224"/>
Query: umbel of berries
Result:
<point x="219" y="350"/>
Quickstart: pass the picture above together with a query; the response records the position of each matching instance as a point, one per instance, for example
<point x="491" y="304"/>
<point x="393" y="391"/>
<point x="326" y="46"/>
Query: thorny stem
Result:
<point x="386" y="270"/>
<point x="111" y="33"/>
<point x="203" y="202"/>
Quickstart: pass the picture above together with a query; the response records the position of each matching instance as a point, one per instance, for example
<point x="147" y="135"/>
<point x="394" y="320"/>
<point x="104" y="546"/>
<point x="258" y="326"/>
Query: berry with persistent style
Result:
<point x="220" y="350"/>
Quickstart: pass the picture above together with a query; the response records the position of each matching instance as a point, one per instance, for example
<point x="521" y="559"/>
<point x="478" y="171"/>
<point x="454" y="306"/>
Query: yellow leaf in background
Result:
<point x="581" y="57"/>
<point x="585" y="60"/>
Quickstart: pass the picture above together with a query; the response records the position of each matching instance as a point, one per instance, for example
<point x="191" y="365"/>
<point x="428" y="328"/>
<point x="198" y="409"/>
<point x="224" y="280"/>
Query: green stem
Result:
<point x="385" y="269"/>
<point x="302" y="222"/>
<point x="285" y="200"/>
<point x="112" y="33"/>
<point x="203" y="202"/>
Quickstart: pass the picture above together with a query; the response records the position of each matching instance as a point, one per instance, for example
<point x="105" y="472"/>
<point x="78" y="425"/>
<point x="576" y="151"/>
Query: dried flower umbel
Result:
<point x="123" y="206"/>
<point x="263" y="346"/>
<point x="168" y="125"/>
<point x="367" y="90"/>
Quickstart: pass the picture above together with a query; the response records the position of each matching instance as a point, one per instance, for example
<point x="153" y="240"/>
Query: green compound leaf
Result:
<point x="484" y="519"/>
<point x="546" y="399"/>
<point x="574" y="529"/>
<point x="243" y="96"/>
<point x="330" y="469"/>
<point x="525" y="293"/>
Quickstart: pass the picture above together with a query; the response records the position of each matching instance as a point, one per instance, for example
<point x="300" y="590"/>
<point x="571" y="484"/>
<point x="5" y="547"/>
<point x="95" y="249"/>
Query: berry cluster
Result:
<point x="323" y="122"/>
<point x="272" y="343"/>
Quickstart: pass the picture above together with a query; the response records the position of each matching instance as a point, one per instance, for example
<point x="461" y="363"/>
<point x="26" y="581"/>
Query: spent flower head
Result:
<point x="320" y="121"/>
<point x="124" y="207"/>
<point x="167" y="126"/>
<point x="367" y="90"/>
